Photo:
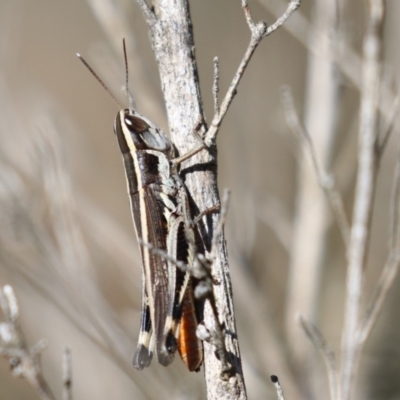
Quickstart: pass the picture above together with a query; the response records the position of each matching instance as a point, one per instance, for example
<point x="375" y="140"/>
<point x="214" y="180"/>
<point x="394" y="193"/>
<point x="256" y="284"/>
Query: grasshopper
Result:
<point x="160" y="211"/>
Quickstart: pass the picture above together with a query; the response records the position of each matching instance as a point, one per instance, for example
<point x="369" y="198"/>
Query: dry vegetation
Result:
<point x="309" y="149"/>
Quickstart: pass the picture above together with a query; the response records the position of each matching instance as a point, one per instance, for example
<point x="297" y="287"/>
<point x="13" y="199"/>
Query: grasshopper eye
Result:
<point x="135" y="124"/>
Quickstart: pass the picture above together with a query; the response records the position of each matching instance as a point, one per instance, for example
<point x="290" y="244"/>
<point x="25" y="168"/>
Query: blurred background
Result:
<point x="67" y="244"/>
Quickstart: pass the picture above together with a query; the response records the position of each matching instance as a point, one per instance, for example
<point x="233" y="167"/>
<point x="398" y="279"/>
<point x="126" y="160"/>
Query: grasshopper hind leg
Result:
<point x="181" y="322"/>
<point x="144" y="353"/>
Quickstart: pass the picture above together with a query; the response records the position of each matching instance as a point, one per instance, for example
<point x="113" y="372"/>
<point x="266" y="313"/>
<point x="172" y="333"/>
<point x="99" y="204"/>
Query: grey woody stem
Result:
<point x="364" y="193"/>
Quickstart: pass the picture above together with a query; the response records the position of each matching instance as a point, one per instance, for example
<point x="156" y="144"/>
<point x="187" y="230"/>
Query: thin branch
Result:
<point x="278" y="387"/>
<point x="292" y="7"/>
<point x="391" y="267"/>
<point x="256" y="37"/>
<point x="328" y="355"/>
<point x="215" y="87"/>
<point x="382" y="290"/>
<point x="364" y="193"/>
<point x="325" y="180"/>
<point x="258" y="32"/>
<point x="250" y="22"/>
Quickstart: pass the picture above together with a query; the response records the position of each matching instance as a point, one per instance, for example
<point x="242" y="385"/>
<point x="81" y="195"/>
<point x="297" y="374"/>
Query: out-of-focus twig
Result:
<point x="325" y="180"/>
<point x="24" y="361"/>
<point x="391" y="267"/>
<point x="364" y="193"/>
<point x="328" y="355"/>
<point x="312" y="217"/>
<point x="345" y="57"/>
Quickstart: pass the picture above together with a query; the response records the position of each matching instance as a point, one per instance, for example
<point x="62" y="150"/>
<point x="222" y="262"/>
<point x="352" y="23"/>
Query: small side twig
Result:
<point x="278" y="387"/>
<point x="215" y="88"/>
<point x="325" y="180"/>
<point x="258" y="32"/>
<point x="292" y="7"/>
<point x="328" y="355"/>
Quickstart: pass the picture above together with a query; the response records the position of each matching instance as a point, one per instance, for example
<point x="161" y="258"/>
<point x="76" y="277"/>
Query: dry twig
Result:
<point x="328" y="355"/>
<point x="364" y="192"/>
<point x="391" y="267"/>
<point x="215" y="87"/>
<point x="278" y="387"/>
<point x="325" y="180"/>
<point x="24" y="361"/>
<point x="258" y="32"/>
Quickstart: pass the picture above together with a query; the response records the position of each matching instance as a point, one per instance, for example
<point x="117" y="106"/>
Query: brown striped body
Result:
<point x="168" y="307"/>
<point x="160" y="212"/>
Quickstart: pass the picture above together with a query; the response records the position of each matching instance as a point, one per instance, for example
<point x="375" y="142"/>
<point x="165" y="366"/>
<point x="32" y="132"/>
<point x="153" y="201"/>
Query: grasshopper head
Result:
<point x="135" y="132"/>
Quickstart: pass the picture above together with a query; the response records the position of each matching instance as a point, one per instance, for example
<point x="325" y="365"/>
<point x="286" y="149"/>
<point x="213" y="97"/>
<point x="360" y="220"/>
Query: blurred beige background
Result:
<point x="67" y="244"/>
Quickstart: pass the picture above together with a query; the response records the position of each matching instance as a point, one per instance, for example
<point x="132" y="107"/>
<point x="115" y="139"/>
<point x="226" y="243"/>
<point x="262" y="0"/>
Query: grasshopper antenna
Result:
<point x="85" y="63"/>
<point x="128" y="95"/>
<point x="126" y="69"/>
